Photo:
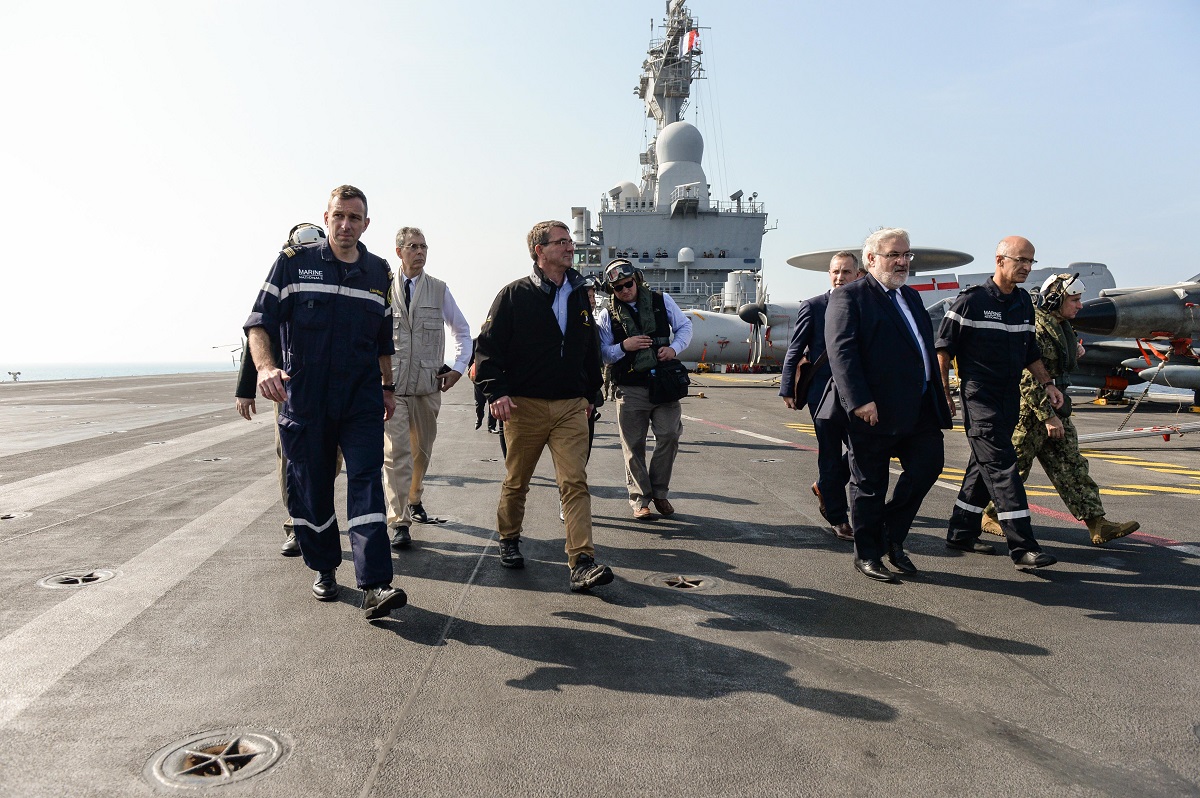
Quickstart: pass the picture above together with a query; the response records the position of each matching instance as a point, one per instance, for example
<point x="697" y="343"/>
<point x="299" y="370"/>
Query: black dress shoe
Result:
<point x="326" y="586"/>
<point x="1034" y="559"/>
<point x="400" y="537"/>
<point x="874" y="569"/>
<point x="291" y="546"/>
<point x="379" y="601"/>
<point x="842" y="531"/>
<point x="972" y="546"/>
<point x="418" y="513"/>
<point x="899" y="558"/>
<point x="820" y="501"/>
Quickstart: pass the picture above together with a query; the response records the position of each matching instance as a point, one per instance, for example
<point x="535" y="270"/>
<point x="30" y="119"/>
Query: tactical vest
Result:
<point x="622" y="372"/>
<point x="419" y="332"/>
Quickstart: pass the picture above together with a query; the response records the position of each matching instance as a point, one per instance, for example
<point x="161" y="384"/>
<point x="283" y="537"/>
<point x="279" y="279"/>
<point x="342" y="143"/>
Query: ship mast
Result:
<point x="665" y="86"/>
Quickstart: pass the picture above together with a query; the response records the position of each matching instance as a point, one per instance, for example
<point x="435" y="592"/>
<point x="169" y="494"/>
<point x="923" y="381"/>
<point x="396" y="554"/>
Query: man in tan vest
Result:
<point x="423" y="309"/>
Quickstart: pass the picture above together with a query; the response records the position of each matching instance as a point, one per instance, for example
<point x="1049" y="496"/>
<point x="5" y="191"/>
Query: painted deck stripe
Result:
<point x="1143" y="537"/>
<point x="34" y="657"/>
<point x="27" y="494"/>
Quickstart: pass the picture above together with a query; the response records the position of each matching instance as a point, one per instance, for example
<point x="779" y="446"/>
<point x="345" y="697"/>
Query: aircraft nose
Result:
<point x="1097" y="316"/>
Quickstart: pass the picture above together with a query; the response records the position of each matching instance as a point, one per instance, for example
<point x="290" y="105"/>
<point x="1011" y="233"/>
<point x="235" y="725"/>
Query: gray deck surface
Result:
<point x="784" y="673"/>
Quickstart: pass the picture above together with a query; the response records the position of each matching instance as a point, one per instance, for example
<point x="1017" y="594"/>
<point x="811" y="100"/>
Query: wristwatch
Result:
<point x="391" y="386"/>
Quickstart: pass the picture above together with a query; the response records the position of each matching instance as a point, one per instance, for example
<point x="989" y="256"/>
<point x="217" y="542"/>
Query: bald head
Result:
<point x="1014" y="261"/>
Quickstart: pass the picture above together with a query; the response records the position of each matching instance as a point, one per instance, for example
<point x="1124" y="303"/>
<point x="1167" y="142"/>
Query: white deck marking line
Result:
<point x="1153" y="540"/>
<point x="34" y="657"/>
<point x="45" y="488"/>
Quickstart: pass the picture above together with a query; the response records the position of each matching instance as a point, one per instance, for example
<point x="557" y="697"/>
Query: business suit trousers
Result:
<point x="833" y="466"/>
<point x="636" y="416"/>
<point x="561" y="425"/>
<point x="878" y="523"/>
<point x="407" y="449"/>
<point x="990" y="414"/>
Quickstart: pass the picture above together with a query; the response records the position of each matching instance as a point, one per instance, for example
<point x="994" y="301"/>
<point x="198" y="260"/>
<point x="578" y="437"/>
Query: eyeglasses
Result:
<point x="557" y="242"/>
<point x="421" y="247"/>
<point x="1022" y="261"/>
<point x="907" y="257"/>
<point x="623" y="286"/>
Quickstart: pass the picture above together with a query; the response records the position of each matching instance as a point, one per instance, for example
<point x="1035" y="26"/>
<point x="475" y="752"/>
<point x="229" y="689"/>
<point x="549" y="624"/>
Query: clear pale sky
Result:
<point x="156" y="153"/>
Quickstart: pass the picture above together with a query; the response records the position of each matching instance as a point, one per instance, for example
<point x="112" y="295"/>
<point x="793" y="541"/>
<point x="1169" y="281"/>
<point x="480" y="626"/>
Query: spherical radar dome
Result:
<point x="679" y="141"/>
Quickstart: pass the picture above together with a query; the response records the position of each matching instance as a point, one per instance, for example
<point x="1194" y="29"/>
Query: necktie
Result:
<point x="407" y="291"/>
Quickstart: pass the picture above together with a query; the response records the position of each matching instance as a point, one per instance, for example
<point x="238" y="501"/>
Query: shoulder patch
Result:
<point x="969" y="289"/>
<point x="291" y="252"/>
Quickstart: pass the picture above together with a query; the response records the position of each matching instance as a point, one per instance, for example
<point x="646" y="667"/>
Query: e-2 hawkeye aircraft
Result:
<point x="759" y="333"/>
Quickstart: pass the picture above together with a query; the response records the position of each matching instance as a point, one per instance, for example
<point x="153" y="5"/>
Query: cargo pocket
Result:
<point x="293" y="438"/>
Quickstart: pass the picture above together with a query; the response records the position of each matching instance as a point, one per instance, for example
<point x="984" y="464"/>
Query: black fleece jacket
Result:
<point x="522" y="352"/>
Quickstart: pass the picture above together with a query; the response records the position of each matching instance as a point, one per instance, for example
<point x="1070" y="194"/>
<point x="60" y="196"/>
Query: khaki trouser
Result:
<point x="636" y="416"/>
<point x="407" y="449"/>
<point x="562" y="425"/>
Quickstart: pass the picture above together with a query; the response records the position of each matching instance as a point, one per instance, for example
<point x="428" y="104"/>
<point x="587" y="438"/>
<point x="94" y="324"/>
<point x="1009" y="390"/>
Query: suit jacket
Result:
<point x="874" y="359"/>
<point x="808" y="341"/>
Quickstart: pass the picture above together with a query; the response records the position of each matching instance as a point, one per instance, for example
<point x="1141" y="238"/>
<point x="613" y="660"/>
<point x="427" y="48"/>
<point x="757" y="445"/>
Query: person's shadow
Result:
<point x="630" y="658"/>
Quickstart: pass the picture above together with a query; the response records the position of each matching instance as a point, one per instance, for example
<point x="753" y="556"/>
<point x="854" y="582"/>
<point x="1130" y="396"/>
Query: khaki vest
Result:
<point x="420" y="335"/>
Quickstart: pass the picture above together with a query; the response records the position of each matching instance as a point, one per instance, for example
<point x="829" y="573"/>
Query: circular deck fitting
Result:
<point x="81" y="578"/>
<point x="765" y="460"/>
<point x="12" y="516"/>
<point x="215" y="758"/>
<point x="210" y="459"/>
<point x="691" y="583"/>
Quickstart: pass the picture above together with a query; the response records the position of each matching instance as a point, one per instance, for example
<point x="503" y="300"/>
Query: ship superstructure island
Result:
<point x="705" y="253"/>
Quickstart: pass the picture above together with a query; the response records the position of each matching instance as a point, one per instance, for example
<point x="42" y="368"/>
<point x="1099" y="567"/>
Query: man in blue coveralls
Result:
<point x="329" y="310"/>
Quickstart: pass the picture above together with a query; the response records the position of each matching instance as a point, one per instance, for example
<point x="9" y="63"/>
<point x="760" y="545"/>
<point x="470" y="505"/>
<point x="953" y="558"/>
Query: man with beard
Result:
<point x="989" y="330"/>
<point x="885" y="389"/>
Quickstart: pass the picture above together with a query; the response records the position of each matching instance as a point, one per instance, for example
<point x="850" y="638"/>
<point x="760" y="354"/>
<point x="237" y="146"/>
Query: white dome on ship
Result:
<point x="629" y="191"/>
<point x="679" y="148"/>
<point x="679" y="141"/>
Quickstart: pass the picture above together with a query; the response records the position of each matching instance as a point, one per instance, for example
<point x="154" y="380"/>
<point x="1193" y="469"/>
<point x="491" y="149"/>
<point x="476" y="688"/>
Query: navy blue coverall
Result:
<point x="992" y="337"/>
<point x="333" y="322"/>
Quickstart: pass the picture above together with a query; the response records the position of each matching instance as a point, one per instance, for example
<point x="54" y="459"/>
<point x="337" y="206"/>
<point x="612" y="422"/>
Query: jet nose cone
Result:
<point x="753" y="312"/>
<point x="1097" y="316"/>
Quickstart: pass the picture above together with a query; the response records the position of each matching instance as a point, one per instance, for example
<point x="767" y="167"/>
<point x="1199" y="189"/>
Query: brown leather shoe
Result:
<point x="843" y="531"/>
<point x="664" y="507"/>
<point x="642" y="514"/>
<point x="820" y="500"/>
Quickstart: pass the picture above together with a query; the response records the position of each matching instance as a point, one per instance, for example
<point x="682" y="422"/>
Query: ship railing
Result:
<point x="680" y="287"/>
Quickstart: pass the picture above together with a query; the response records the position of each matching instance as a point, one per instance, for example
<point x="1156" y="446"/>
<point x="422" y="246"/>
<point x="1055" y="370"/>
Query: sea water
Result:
<point x="29" y="372"/>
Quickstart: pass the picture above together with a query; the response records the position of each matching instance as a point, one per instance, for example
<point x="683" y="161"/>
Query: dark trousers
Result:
<point x="833" y="466"/>
<point x="352" y="420"/>
<point x="878" y="523"/>
<point x="990" y="415"/>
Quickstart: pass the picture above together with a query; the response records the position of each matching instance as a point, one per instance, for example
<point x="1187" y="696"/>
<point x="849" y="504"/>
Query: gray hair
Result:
<point x="407" y="231"/>
<point x="882" y="234"/>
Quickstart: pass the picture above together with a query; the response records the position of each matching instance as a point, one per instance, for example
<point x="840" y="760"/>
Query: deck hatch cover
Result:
<point x="215" y="758"/>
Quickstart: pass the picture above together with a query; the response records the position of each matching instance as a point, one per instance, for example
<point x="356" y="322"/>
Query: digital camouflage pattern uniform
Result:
<point x="1066" y="467"/>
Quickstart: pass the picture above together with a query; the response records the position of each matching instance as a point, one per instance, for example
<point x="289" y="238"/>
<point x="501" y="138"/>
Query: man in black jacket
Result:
<point x="538" y="360"/>
<point x="808" y="344"/>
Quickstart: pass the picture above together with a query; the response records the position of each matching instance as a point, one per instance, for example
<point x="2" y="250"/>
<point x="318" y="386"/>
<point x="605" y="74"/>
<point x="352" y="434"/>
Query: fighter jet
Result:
<point x="1145" y="334"/>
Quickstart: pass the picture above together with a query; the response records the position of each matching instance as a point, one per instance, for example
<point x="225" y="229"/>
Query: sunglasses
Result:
<point x="623" y="286"/>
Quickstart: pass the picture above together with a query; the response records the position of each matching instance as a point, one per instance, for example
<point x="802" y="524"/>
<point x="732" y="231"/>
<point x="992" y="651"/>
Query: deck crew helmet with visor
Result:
<point x="1057" y="288"/>
<point x="618" y="271"/>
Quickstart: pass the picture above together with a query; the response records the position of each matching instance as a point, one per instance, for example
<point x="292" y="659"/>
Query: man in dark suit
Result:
<point x="807" y="347"/>
<point x="886" y="385"/>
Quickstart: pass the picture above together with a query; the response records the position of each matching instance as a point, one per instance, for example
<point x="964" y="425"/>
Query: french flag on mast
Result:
<point x="692" y="42"/>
